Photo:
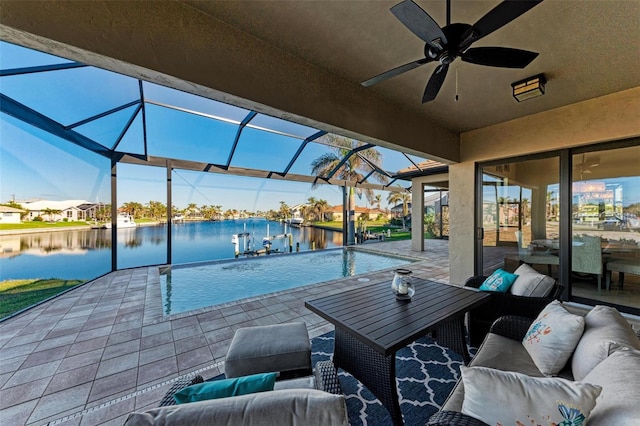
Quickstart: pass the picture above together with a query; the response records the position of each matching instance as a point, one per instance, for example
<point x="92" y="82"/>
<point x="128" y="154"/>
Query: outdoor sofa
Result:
<point x="595" y="358"/>
<point x="283" y="407"/>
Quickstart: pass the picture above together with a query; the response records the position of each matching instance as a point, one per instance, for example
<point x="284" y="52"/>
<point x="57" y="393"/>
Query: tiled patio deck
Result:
<point x="99" y="352"/>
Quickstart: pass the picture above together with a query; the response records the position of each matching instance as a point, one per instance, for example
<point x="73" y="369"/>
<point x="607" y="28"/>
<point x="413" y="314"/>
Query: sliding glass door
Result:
<point x="605" y="194"/>
<point x="520" y="213"/>
<point x="587" y="236"/>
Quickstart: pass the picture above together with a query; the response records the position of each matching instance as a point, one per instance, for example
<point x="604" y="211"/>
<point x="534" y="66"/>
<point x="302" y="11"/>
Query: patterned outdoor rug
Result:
<point x="425" y="374"/>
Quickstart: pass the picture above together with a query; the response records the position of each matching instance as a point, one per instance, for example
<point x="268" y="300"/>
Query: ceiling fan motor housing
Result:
<point x="445" y="53"/>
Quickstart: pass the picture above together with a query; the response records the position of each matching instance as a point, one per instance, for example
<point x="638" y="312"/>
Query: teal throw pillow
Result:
<point x="227" y="387"/>
<point x="499" y="281"/>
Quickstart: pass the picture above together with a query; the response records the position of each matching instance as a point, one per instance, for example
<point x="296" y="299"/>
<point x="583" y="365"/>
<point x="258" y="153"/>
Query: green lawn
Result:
<point x="19" y="294"/>
<point x="37" y="224"/>
<point x="374" y="227"/>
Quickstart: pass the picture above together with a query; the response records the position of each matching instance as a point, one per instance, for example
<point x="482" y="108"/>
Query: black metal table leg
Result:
<point x="374" y="370"/>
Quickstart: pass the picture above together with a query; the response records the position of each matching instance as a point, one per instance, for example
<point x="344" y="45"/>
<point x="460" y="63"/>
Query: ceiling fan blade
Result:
<point x="396" y="71"/>
<point x="497" y="17"/>
<point x="420" y="23"/>
<point x="435" y="83"/>
<point x="504" y="57"/>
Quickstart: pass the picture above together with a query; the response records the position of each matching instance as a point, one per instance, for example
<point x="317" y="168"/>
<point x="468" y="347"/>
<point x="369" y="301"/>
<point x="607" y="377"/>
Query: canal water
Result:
<point x="86" y="254"/>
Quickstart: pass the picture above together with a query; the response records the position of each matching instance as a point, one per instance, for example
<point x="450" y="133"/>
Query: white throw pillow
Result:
<point x="552" y="338"/>
<point x="531" y="283"/>
<point x="604" y="329"/>
<point x="508" y="398"/>
<point x="619" y="402"/>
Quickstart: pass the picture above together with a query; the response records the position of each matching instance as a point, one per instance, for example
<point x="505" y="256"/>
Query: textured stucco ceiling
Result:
<point x="587" y="49"/>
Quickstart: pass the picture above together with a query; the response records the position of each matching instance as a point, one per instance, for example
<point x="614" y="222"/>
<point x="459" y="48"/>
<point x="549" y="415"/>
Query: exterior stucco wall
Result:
<point x="9" y="217"/>
<point x="611" y="117"/>
<point x="608" y="118"/>
<point x="461" y="230"/>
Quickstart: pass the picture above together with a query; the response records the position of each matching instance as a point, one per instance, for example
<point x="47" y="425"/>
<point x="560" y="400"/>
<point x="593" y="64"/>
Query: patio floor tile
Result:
<point x="117" y="364"/>
<point x="115" y="384"/>
<point x="30" y="374"/>
<point x="68" y="399"/>
<point x="81" y="360"/>
<point x="70" y="378"/>
<point x="23" y="392"/>
<point x="195" y="357"/>
<point x="154" y="371"/>
<point x="17" y="414"/>
<point x="156" y="353"/>
<point x="157" y="339"/>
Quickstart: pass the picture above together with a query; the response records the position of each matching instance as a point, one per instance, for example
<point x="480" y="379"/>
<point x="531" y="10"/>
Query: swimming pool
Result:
<point x="193" y="286"/>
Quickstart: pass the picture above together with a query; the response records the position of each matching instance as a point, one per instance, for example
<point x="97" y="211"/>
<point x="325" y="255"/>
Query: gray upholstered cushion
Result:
<point x="619" y="402"/>
<point x="531" y="283"/>
<point x="306" y="382"/>
<point x="604" y="328"/>
<point x="280" y="347"/>
<point x="500" y="353"/>
<point x="303" y="407"/>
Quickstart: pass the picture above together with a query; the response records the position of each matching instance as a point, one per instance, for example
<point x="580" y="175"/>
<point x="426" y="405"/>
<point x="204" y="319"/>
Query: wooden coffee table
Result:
<point x="371" y="325"/>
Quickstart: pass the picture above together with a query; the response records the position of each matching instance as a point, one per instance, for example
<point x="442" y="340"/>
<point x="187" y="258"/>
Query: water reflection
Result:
<point x="22" y="256"/>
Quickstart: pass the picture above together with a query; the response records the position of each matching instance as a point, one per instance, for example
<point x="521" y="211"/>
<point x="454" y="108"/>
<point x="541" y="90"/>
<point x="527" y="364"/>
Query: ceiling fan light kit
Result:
<point x="446" y="44"/>
<point x="529" y="87"/>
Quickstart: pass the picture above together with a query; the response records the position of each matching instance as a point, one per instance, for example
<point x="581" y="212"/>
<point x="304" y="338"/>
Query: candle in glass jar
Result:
<point x="402" y="288"/>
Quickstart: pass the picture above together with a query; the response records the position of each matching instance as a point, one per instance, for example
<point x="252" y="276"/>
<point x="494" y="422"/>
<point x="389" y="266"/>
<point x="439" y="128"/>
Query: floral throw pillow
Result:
<point x="508" y="398"/>
<point x="499" y="281"/>
<point x="552" y="338"/>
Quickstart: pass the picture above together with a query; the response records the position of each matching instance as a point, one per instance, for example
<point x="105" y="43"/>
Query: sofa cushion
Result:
<point x="500" y="353"/>
<point x="619" y="402"/>
<point x="552" y="338"/>
<point x="604" y="328"/>
<point x="509" y="398"/>
<point x="531" y="283"/>
<point x="266" y="348"/>
<point x="499" y="281"/>
<point x="225" y="388"/>
<point x="299" y="407"/>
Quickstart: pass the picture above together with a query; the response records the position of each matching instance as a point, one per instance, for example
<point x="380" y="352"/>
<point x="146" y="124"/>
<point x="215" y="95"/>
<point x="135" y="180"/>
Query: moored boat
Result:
<point x="122" y="221"/>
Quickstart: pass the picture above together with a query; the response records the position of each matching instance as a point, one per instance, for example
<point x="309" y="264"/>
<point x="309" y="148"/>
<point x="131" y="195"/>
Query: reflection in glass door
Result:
<point x="520" y="215"/>
<point x="605" y="195"/>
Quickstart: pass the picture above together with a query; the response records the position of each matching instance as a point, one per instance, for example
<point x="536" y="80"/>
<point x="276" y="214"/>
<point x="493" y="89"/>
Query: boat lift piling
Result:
<point x="267" y="243"/>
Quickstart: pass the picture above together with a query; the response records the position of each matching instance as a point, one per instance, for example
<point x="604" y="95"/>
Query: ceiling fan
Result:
<point x="585" y="166"/>
<point x="445" y="44"/>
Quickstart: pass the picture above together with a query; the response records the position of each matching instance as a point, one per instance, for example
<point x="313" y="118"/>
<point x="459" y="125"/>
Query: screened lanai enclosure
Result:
<point x="80" y="143"/>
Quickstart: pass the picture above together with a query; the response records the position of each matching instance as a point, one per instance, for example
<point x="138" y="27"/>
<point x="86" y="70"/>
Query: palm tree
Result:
<point x="401" y="197"/>
<point x="354" y="169"/>
<point x="378" y="200"/>
<point x="156" y="209"/>
<point x="320" y="207"/>
<point x="191" y="209"/>
<point x="50" y="212"/>
<point x="284" y="210"/>
<point x="132" y="208"/>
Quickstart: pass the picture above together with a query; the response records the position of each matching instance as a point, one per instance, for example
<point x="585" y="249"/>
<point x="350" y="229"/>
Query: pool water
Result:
<point x="188" y="287"/>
